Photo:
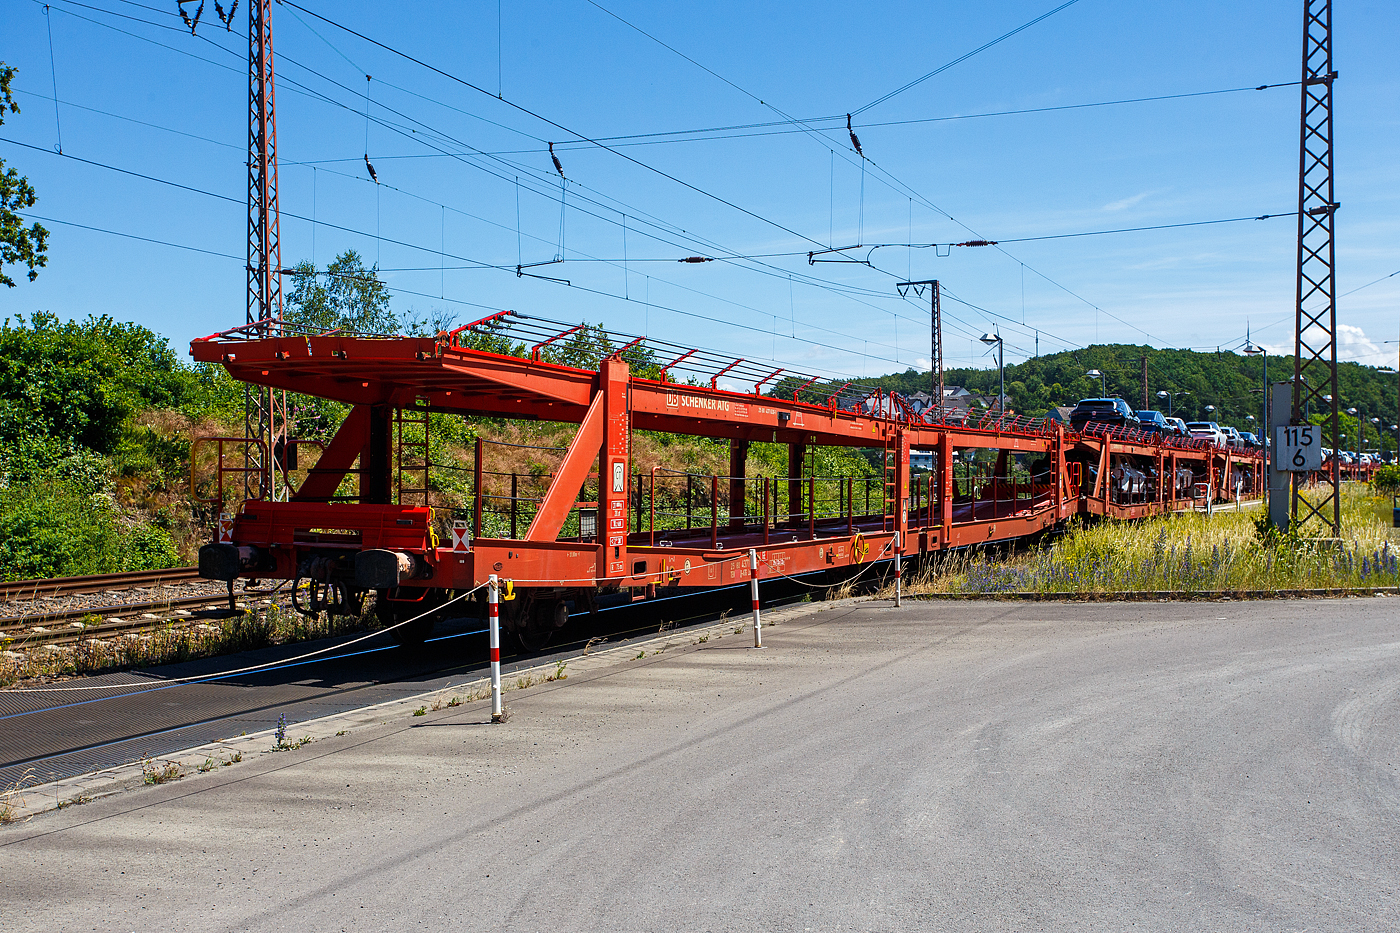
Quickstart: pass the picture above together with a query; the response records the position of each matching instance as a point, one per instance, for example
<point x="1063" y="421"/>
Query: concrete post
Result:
<point x="753" y="594"/>
<point x="493" y="615"/>
<point x="1280" y="414"/>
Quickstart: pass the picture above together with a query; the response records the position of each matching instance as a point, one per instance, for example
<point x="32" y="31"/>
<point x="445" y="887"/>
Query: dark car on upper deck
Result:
<point x="1109" y="411"/>
<point x="1154" y="422"/>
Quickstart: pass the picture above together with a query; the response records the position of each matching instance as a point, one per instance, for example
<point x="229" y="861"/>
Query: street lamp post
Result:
<point x="1252" y="349"/>
<point x="1171" y="398"/>
<point x="996" y="341"/>
<point x="1361" y="434"/>
<point x="1396" y="429"/>
<point x="1095" y="374"/>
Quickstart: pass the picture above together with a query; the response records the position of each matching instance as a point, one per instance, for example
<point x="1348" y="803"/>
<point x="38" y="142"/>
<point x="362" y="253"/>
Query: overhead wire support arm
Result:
<point x="812" y="259"/>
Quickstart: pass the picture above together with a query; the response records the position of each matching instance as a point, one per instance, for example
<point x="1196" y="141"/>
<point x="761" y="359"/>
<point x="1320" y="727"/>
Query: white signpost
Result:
<point x="1298" y="448"/>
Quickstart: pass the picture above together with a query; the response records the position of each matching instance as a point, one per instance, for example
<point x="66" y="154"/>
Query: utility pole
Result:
<point x="935" y="333"/>
<point x="1315" y="333"/>
<point x="1146" y="401"/>
<point x="265" y="410"/>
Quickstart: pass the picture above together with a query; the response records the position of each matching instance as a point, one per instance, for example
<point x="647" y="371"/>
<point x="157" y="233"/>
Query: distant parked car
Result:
<point x="1232" y="436"/>
<point x="1250" y="441"/>
<point x="1110" y="411"/>
<point x="1154" y="422"/>
<point x="1179" y="427"/>
<point x="1208" y="430"/>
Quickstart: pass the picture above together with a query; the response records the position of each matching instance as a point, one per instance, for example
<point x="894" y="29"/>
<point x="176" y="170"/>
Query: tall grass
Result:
<point x="1188" y="553"/>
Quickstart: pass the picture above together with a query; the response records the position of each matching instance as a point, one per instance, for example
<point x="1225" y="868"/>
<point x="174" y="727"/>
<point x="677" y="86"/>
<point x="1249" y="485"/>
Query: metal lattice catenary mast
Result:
<point x="266" y="409"/>
<point x="1315" y="340"/>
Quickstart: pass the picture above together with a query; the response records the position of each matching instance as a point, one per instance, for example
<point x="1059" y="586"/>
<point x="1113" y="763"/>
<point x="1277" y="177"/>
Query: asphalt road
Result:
<point x="946" y="766"/>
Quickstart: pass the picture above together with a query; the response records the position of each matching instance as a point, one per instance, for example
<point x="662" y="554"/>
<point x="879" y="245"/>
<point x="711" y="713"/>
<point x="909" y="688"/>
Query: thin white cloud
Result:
<point x="1127" y="202"/>
<point x="1353" y="346"/>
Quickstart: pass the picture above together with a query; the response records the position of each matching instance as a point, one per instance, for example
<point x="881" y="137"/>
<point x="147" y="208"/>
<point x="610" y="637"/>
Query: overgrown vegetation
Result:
<point x="96" y="419"/>
<point x="1230" y="552"/>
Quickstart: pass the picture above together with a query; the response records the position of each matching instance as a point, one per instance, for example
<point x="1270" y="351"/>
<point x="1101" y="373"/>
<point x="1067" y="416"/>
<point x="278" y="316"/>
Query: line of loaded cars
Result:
<point x="1118" y="413"/>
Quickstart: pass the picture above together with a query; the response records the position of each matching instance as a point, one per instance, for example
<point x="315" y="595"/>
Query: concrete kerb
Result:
<point x="30" y="801"/>
<point x="1131" y="596"/>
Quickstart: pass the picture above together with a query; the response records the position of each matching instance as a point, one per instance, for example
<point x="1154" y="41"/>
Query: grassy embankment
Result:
<point x="1187" y="553"/>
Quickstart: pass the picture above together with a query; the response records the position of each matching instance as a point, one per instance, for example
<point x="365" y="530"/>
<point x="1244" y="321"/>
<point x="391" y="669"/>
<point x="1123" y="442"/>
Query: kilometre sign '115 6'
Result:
<point x="1298" y="448"/>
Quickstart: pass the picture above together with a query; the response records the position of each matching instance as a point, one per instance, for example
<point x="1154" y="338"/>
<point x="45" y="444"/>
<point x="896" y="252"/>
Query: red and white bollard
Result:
<point x="898" y="569"/>
<point x="753" y="593"/>
<point x="493" y="617"/>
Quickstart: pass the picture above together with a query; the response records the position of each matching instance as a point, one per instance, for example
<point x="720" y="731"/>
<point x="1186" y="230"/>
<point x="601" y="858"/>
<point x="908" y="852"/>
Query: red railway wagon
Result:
<point x="351" y="526"/>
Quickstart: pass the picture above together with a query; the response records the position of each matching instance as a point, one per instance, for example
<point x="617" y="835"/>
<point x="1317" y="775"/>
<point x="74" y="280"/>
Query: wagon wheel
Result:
<point x="538" y="626"/>
<point x="416" y="632"/>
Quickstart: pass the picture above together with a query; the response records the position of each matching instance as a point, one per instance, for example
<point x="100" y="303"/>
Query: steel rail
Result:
<point x="96" y="583"/>
<point x="19" y="632"/>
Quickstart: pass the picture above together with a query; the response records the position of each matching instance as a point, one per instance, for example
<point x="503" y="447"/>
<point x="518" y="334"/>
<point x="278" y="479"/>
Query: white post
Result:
<point x="898" y="570"/>
<point x="753" y="593"/>
<point x="493" y="615"/>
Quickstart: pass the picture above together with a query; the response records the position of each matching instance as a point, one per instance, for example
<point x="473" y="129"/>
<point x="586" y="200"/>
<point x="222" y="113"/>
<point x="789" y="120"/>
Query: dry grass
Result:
<point x="1185" y="553"/>
<point x="161" y="774"/>
<point x="12" y="800"/>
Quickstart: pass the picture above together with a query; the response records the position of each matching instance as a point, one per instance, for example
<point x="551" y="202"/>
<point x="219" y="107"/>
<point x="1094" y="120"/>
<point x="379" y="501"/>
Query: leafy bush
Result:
<point x="82" y="381"/>
<point x="1386" y="480"/>
<point x="55" y="528"/>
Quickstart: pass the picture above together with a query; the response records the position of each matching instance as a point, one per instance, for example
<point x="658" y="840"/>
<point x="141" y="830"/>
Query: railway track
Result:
<point x="29" y="621"/>
<point x="97" y="583"/>
<point x="66" y="626"/>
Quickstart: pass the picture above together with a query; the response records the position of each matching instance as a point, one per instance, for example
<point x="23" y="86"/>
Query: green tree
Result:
<point x="346" y="297"/>
<point x="80" y="382"/>
<point x="18" y="243"/>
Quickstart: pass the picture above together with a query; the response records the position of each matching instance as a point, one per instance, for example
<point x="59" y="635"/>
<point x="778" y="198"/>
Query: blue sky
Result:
<point x="466" y="180"/>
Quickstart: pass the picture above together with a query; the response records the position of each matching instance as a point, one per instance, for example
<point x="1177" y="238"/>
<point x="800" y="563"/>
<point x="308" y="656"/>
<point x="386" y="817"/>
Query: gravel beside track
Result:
<point x="117" y="599"/>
